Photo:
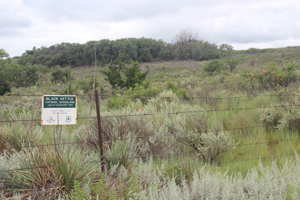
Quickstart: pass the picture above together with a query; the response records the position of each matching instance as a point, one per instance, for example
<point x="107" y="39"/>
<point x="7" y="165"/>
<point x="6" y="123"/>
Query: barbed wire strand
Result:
<point x="171" y="113"/>
<point x="211" y="148"/>
<point x="258" y="158"/>
<point x="164" y="154"/>
<point x="198" y="111"/>
<point x="145" y="97"/>
<point x="141" y="137"/>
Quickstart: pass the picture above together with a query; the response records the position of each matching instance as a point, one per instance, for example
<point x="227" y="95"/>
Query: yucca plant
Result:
<point x="42" y="174"/>
<point x="5" y="145"/>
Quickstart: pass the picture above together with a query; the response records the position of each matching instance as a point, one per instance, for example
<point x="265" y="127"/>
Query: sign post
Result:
<point x="59" y="110"/>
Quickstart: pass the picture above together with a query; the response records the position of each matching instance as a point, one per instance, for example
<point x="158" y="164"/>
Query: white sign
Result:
<point x="59" y="109"/>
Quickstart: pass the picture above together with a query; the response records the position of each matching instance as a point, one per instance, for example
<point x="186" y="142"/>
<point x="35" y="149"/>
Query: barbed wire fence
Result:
<point x="33" y="120"/>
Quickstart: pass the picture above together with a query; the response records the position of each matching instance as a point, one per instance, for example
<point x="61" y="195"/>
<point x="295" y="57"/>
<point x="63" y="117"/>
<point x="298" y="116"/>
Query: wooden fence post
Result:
<point x="99" y="130"/>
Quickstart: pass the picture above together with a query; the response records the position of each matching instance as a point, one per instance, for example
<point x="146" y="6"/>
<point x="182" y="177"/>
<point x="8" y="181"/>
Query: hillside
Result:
<point x="223" y="128"/>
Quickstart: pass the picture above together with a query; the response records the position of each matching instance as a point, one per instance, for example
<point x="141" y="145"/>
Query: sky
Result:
<point x="241" y="23"/>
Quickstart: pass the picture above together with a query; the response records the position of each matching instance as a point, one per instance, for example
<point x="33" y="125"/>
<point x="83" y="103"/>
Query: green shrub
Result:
<point x="180" y="93"/>
<point x="61" y="75"/>
<point x="69" y="89"/>
<point x="86" y="84"/>
<point x="271" y="117"/>
<point x="9" y="114"/>
<point x="115" y="103"/>
<point x="77" y="193"/>
<point x="100" y="189"/>
<point x="171" y="86"/>
<point x="178" y="172"/>
<point x="141" y="91"/>
<point x="26" y="76"/>
<point x="213" y="66"/>
<point x="273" y="76"/>
<point x="118" y="75"/>
<point x="4" y="87"/>
<point x="291" y="117"/>
<point x="183" y="93"/>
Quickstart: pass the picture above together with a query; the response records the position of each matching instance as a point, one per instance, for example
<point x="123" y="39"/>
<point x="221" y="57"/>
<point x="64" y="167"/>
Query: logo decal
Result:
<point x="68" y="119"/>
<point x="50" y="119"/>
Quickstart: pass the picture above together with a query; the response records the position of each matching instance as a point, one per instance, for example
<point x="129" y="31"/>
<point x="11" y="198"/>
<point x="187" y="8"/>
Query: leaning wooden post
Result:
<point x="99" y="130"/>
<point x="1" y="130"/>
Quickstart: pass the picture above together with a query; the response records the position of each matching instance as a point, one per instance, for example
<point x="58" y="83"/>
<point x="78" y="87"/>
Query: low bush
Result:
<point x="116" y="103"/>
<point x="182" y="93"/>
<point x="140" y="91"/>
<point x="213" y="66"/>
<point x="273" y="76"/>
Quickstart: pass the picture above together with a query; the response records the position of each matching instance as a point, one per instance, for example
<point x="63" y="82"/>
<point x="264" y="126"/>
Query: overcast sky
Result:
<point x="240" y="23"/>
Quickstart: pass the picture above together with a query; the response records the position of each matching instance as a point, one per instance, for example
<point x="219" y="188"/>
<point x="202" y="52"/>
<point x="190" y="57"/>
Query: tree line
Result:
<point x="132" y="49"/>
<point x="13" y="74"/>
<point x="24" y="71"/>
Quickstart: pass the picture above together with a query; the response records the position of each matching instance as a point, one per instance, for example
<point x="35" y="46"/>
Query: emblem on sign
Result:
<point x="50" y="120"/>
<point x="68" y="119"/>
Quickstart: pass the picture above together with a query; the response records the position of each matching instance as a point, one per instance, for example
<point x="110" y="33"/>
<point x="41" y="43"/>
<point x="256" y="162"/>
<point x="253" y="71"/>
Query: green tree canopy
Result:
<point x="113" y="73"/>
<point x="133" y="75"/>
<point x="231" y="61"/>
<point x="187" y="46"/>
<point x="3" y="54"/>
<point x="118" y="75"/>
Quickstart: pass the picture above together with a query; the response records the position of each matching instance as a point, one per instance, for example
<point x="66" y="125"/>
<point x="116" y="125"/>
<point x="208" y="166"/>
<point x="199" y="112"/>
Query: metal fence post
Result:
<point x="99" y="130"/>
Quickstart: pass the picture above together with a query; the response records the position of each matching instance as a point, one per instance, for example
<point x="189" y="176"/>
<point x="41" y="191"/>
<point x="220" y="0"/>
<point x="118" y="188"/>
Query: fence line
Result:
<point x="164" y="154"/>
<point x="96" y="141"/>
<point x="171" y="113"/>
<point x="167" y="135"/>
<point x="145" y="97"/>
<point x="259" y="158"/>
<point x="141" y="137"/>
<point x="200" y="97"/>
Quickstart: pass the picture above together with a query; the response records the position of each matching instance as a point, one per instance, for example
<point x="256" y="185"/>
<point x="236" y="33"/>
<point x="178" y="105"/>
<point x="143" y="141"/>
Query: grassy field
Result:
<point x="189" y="135"/>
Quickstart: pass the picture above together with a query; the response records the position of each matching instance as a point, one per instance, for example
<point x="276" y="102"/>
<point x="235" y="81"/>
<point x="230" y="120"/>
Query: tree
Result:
<point x="118" y="75"/>
<point x="3" y="54"/>
<point x="24" y="76"/>
<point x="61" y="75"/>
<point x="226" y="47"/>
<point x="133" y="75"/>
<point x="113" y="72"/>
<point x="4" y="81"/>
<point x="186" y="36"/>
<point x="231" y="61"/>
<point x="4" y="73"/>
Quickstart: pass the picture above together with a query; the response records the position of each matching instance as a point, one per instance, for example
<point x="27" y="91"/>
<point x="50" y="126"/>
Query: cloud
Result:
<point x="12" y="20"/>
<point x="239" y="23"/>
<point x="105" y="11"/>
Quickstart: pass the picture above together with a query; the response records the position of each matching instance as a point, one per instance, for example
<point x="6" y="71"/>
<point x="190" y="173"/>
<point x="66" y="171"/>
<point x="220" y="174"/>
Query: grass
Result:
<point x="154" y="134"/>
